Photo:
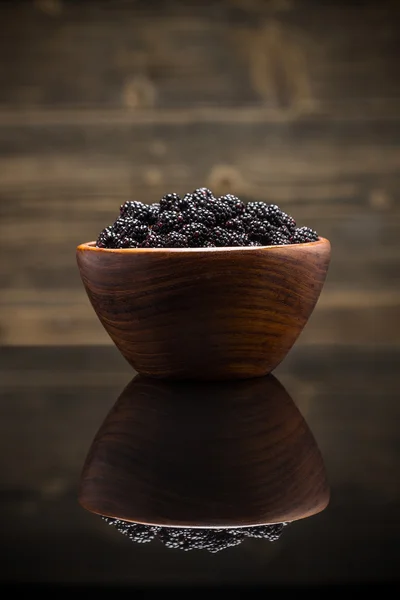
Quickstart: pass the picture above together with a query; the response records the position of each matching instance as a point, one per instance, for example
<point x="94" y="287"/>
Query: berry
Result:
<point x="154" y="211"/>
<point x="239" y="239"/>
<point x="136" y="210"/>
<point x="200" y="215"/>
<point x="177" y="539"/>
<point x="247" y="220"/>
<point x="128" y="242"/>
<point x="169" y="221"/>
<point x="222" y="541"/>
<point x="153" y="240"/>
<point x="176" y="240"/>
<point x="260" y="231"/>
<point x="236" y="206"/>
<point x="222" y="212"/>
<point x="107" y="238"/>
<point x="186" y="202"/>
<point x="257" y="210"/>
<point x="278" y="237"/>
<point x="236" y="224"/>
<point x="202" y="197"/>
<point x="219" y="237"/>
<point x="302" y="235"/>
<point x="275" y="215"/>
<point x="196" y="234"/>
<point x="130" y="227"/>
<point x="141" y="534"/>
<point x="169" y="202"/>
<point x="268" y="532"/>
<point x="288" y="222"/>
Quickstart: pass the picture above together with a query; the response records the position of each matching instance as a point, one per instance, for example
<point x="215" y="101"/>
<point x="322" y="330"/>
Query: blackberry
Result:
<point x="285" y="232"/>
<point x="202" y="197"/>
<point x="130" y="227"/>
<point x="199" y="538"/>
<point x="236" y="224"/>
<point x="154" y="211"/>
<point x="175" y="239"/>
<point x="186" y="202"/>
<point x="128" y="242"/>
<point x="196" y="234"/>
<point x="142" y="534"/>
<point x="136" y="210"/>
<point x="222" y="541"/>
<point x="137" y="232"/>
<point x="236" y="206"/>
<point x="238" y="239"/>
<point x="153" y="240"/>
<point x="169" y="202"/>
<point x="257" y="210"/>
<point x="200" y="215"/>
<point x="288" y="222"/>
<point x="260" y="231"/>
<point x="169" y="221"/>
<point x="222" y="212"/>
<point x="247" y="220"/>
<point x="275" y="215"/>
<point x="176" y="539"/>
<point x="278" y="237"/>
<point x="219" y="237"/>
<point x="266" y="532"/>
<point x="107" y="238"/>
<point x="302" y="235"/>
<point x="213" y="540"/>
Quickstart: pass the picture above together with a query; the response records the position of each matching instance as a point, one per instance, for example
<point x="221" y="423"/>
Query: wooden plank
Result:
<point x="383" y="113"/>
<point x="271" y="163"/>
<point x="84" y="132"/>
<point x="225" y="53"/>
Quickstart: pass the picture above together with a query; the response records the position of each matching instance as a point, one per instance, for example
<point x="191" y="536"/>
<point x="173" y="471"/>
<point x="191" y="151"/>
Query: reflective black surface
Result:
<point x="55" y="400"/>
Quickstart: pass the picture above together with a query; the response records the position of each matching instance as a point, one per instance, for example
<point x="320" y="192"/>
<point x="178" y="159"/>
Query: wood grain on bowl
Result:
<point x="204" y="453"/>
<point x="216" y="313"/>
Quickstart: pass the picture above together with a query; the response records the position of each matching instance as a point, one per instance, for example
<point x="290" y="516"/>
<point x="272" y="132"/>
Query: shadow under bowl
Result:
<point x="204" y="313"/>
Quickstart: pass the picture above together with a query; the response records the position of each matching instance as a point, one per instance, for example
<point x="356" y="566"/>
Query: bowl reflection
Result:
<point x="221" y="454"/>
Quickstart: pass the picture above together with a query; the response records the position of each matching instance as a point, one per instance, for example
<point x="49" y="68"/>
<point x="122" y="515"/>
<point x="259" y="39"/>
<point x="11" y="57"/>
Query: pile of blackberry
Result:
<point x="201" y="220"/>
<point x="184" y="538"/>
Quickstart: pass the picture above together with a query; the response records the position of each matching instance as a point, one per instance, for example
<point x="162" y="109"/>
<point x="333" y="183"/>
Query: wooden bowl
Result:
<point x="219" y="454"/>
<point x="204" y="313"/>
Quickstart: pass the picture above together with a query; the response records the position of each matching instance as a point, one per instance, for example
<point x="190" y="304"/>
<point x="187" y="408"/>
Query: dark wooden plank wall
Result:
<point x="292" y="101"/>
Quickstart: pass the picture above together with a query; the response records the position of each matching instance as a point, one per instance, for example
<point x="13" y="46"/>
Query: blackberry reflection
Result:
<point x="189" y="538"/>
<point x="203" y="465"/>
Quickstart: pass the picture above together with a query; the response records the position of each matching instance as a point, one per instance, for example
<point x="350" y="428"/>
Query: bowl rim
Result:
<point x="90" y="246"/>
